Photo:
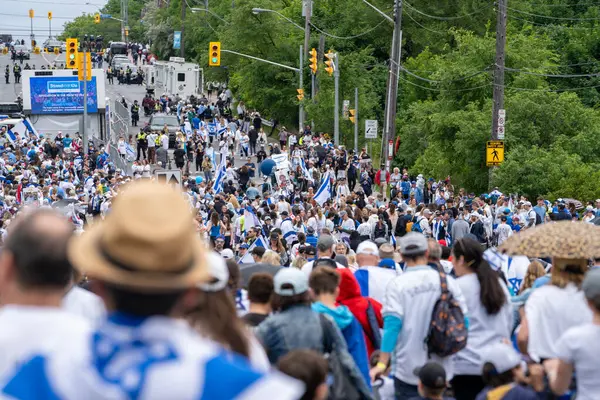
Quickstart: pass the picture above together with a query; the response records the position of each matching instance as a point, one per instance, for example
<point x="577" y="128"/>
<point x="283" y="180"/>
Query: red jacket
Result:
<point x="350" y="297"/>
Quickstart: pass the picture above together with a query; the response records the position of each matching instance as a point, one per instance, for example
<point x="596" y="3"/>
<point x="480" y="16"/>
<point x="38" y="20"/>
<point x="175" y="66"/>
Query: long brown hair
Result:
<point x="215" y="316"/>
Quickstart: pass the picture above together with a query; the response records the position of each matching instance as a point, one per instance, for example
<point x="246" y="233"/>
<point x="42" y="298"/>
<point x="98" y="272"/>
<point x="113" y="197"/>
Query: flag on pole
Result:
<point x="259" y="242"/>
<point x="305" y="172"/>
<point x="220" y="178"/>
<point x="324" y="192"/>
<point x="31" y="128"/>
<point x="393" y="240"/>
<point x="212" y="129"/>
<point x="10" y="136"/>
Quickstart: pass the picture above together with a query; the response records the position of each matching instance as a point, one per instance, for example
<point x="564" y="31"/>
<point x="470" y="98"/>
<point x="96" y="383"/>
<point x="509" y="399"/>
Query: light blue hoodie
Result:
<point x="353" y="334"/>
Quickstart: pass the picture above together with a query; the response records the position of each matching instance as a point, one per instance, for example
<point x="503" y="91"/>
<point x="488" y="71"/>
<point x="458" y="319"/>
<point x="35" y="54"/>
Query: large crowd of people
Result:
<point x="281" y="266"/>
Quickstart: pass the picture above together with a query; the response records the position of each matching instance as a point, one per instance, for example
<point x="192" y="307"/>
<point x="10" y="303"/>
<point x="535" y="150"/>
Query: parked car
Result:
<point x="158" y="121"/>
<point x="50" y="45"/>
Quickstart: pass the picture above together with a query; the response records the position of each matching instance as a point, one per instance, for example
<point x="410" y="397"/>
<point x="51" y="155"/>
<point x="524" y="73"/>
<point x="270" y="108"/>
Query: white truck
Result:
<point x="177" y="77"/>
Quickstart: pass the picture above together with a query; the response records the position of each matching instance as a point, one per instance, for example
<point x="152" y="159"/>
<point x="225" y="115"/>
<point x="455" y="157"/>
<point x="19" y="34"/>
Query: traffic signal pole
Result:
<point x="85" y="107"/>
<point x="336" y="106"/>
<point x="301" y="83"/>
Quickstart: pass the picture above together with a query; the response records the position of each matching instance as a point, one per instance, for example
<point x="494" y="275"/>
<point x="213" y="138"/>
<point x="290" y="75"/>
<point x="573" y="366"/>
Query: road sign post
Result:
<point x="494" y="153"/>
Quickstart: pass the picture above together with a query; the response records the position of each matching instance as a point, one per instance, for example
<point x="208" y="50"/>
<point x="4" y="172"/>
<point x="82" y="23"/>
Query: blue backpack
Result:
<point x="416" y="227"/>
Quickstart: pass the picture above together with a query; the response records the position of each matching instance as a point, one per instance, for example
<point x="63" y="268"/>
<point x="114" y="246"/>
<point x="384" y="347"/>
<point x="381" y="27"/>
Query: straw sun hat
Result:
<point x="560" y="240"/>
<point x="147" y="242"/>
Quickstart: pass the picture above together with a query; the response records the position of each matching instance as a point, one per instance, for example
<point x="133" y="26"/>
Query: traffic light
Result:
<point x="97" y="18"/>
<point x="214" y="54"/>
<point x="49" y="14"/>
<point x="330" y="62"/>
<point x="36" y="50"/>
<point x="88" y="67"/>
<point x="31" y="13"/>
<point x="352" y="115"/>
<point x="313" y="60"/>
<point x="5" y="50"/>
<point x="57" y="50"/>
<point x="300" y="94"/>
<point x="72" y="53"/>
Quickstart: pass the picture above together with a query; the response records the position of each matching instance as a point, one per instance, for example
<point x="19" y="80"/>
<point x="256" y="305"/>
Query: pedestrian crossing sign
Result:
<point x="494" y="153"/>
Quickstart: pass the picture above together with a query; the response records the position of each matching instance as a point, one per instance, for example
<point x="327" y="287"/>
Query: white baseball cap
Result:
<point x="503" y="356"/>
<point x="367" y="247"/>
<point x="292" y="277"/>
<point x="218" y="272"/>
<point x="227" y="254"/>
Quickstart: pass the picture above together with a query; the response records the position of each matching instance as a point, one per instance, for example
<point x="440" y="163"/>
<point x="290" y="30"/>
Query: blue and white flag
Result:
<point x="31" y="128"/>
<point x="130" y="152"/>
<point x="250" y="219"/>
<point x="393" y="240"/>
<point x="373" y="281"/>
<point x="212" y="129"/>
<point x="259" y="242"/>
<point x="324" y="192"/>
<point x="305" y="172"/>
<point x="221" y="129"/>
<point x="220" y="178"/>
<point x="10" y="136"/>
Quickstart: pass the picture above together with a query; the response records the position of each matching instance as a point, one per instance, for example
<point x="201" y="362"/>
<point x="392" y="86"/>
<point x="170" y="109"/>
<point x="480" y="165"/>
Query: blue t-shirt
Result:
<point x="516" y="393"/>
<point x="67" y="142"/>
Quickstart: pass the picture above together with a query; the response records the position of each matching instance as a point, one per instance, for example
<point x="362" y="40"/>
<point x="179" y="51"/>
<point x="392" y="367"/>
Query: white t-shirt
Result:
<point x="550" y="312"/>
<point x="85" y="304"/>
<point x="349" y="225"/>
<point x="411" y="297"/>
<point x="28" y="330"/>
<point x="484" y="329"/>
<point x="580" y="346"/>
<point x="308" y="266"/>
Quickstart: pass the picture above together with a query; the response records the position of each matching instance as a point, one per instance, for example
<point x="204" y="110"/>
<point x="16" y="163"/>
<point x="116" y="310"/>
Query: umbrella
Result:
<point x="577" y="203"/>
<point x="247" y="270"/>
<point x="62" y="203"/>
<point x="564" y="239"/>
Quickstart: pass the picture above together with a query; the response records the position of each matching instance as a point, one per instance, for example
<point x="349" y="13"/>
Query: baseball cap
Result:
<point x="284" y="212"/>
<point x="310" y="230"/>
<point x="591" y="284"/>
<point x="432" y="375"/>
<point x="367" y="247"/>
<point x="503" y="356"/>
<point x="227" y="254"/>
<point x="244" y="246"/>
<point x="220" y="237"/>
<point x="413" y="243"/>
<point x="310" y="250"/>
<point x="290" y="277"/>
<point x="325" y="242"/>
<point x="219" y="274"/>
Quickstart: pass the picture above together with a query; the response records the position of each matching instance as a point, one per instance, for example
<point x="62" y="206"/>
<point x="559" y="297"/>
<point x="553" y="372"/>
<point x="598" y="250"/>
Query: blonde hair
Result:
<point x="299" y="262"/>
<point x="567" y="270"/>
<point x="534" y="270"/>
<point x="270" y="257"/>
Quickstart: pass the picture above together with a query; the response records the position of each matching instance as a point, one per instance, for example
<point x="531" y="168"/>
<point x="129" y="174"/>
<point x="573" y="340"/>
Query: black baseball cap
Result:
<point x="432" y="375"/>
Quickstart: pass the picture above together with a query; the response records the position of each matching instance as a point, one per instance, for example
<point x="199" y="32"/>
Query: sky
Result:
<point x="15" y="19"/>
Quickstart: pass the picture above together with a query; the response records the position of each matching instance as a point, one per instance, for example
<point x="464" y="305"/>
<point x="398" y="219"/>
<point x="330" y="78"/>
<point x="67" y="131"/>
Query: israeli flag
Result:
<point x="393" y="240"/>
<point x="221" y="174"/>
<point x="324" y="192"/>
<point x="250" y="219"/>
<point x="212" y="129"/>
<point x="20" y="129"/>
<point x="495" y="258"/>
<point x="373" y="281"/>
<point x="31" y="128"/>
<point x="305" y="172"/>
<point x="130" y="152"/>
<point x="259" y="242"/>
<point x="10" y="136"/>
<point x="221" y="129"/>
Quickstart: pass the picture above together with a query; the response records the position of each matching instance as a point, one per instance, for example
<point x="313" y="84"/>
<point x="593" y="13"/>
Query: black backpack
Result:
<point x="447" y="330"/>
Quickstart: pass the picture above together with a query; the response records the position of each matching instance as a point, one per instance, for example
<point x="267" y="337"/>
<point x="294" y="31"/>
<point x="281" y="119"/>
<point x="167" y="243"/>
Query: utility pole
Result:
<point x="301" y="79"/>
<point x="84" y="132"/>
<point x="124" y="19"/>
<point x="392" y="90"/>
<point x="181" y="42"/>
<point x="336" y="108"/>
<point x="307" y="13"/>
<point x="356" y="121"/>
<point x="499" y="67"/>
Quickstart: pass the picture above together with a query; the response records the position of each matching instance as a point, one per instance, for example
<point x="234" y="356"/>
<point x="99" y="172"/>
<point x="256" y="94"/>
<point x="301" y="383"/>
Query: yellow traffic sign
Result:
<point x="494" y="153"/>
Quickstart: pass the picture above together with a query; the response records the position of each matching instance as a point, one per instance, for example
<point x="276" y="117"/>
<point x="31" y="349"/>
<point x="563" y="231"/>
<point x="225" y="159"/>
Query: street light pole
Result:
<point x="84" y="132"/>
<point x="356" y="121"/>
<point x="307" y="14"/>
<point x="301" y="107"/>
<point x="336" y="106"/>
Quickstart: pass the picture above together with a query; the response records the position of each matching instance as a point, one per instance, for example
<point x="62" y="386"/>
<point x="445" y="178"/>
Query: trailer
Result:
<point x="177" y="77"/>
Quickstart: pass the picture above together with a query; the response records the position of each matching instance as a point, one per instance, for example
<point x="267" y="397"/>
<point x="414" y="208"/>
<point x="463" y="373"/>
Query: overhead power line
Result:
<point x="348" y="37"/>
<point x="551" y="90"/>
<point x="419" y="24"/>
<point x="483" y="71"/>
<point x="449" y="18"/>
<point x="522" y="71"/>
<point x="445" y="90"/>
<point x="552" y="26"/>
<point x="551" y="17"/>
<point x="564" y="5"/>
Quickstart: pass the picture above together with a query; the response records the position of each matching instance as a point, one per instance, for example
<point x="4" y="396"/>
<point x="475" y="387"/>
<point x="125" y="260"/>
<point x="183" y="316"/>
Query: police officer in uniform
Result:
<point x="128" y="75"/>
<point x="17" y="73"/>
<point x="142" y="144"/>
<point x="7" y="74"/>
<point x="135" y="113"/>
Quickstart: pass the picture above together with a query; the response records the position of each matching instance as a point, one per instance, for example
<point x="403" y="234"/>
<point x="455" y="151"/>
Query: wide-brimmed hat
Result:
<point x="564" y="239"/>
<point x="147" y="242"/>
